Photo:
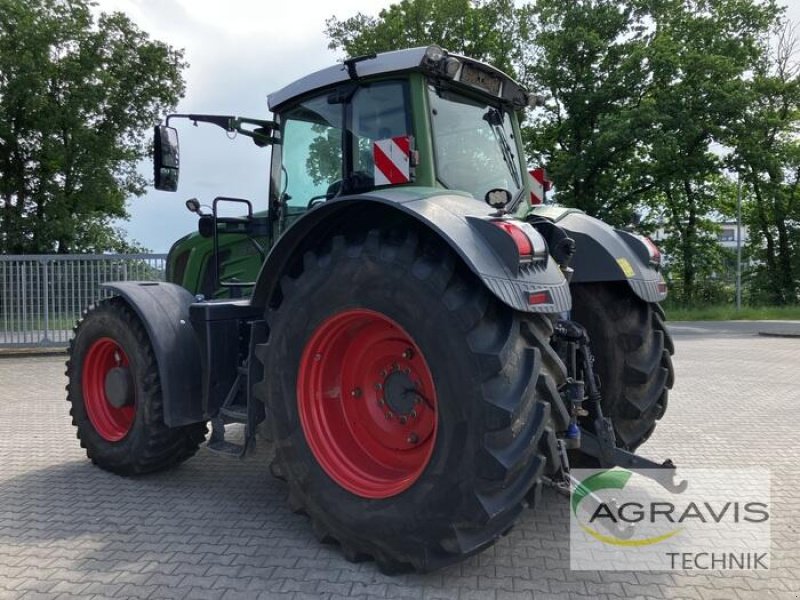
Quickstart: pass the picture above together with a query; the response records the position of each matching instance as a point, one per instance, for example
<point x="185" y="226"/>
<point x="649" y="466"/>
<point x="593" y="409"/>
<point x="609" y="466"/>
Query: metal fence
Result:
<point x="42" y="296"/>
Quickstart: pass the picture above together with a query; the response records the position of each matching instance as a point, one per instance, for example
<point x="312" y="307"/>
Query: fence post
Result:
<point x="24" y="312"/>
<point x="46" y="280"/>
<point x="739" y="243"/>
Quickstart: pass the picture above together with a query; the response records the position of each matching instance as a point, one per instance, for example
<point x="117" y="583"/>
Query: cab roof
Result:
<point x="387" y="62"/>
<point x="396" y="61"/>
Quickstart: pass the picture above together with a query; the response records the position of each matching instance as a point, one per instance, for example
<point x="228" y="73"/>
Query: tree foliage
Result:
<point x="592" y="63"/>
<point x="699" y="54"/>
<point x="76" y="95"/>
<point x="767" y="157"/>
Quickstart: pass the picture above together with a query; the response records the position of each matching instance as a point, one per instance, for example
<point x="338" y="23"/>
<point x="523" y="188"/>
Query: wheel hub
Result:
<point x="400" y="393"/>
<point x="119" y="387"/>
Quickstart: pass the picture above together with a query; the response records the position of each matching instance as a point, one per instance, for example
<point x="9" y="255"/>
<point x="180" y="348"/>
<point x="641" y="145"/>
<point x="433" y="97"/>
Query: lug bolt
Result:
<point x="388" y="416"/>
<point x="378" y="386"/>
<point x="383" y="373"/>
<point x="408" y="353"/>
<point x="407" y="371"/>
<point x="413" y="414"/>
<point x="381" y="402"/>
<point x="395" y="366"/>
<point x="413" y="438"/>
<point x="356" y="393"/>
<point x="403" y="420"/>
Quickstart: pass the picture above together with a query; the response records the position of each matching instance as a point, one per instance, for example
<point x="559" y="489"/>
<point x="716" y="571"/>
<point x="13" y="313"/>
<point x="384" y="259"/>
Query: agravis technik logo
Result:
<point x="623" y="519"/>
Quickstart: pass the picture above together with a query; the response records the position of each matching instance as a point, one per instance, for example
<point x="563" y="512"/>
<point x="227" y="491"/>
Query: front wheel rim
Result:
<point x="367" y="403"/>
<point x="110" y="422"/>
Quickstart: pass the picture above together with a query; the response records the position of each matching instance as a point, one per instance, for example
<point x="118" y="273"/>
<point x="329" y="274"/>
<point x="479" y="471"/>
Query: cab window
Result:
<point x="474" y="144"/>
<point x="327" y="141"/>
<point x="312" y="151"/>
<point x="379" y="111"/>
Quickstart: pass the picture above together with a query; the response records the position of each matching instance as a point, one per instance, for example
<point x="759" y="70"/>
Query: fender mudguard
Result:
<point x="458" y="219"/>
<point x="164" y="311"/>
<point x="603" y="253"/>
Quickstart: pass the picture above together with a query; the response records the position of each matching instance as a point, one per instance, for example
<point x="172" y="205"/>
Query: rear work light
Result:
<point x="530" y="244"/>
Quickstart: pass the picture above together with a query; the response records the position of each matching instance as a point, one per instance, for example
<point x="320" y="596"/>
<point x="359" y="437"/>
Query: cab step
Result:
<point x="225" y="447"/>
<point x="235" y="413"/>
<point x="218" y="443"/>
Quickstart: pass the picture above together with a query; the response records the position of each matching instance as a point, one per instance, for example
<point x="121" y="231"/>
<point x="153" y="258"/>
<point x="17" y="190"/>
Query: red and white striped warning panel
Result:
<point x="392" y="160"/>
<point x="539" y="185"/>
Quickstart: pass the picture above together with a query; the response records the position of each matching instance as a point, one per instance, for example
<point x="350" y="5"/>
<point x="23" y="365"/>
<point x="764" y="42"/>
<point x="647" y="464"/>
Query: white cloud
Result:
<point x="239" y="51"/>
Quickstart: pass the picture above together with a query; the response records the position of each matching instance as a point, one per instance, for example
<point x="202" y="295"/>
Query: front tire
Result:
<point x="115" y="398"/>
<point x="385" y="324"/>
<point x="633" y="356"/>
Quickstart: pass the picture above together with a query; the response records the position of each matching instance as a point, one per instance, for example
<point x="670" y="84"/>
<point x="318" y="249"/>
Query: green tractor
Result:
<point x="422" y="346"/>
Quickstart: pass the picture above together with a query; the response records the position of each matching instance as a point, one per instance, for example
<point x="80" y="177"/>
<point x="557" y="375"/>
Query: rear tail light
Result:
<point x="530" y="244"/>
<point x="523" y="242"/>
<point x="536" y="298"/>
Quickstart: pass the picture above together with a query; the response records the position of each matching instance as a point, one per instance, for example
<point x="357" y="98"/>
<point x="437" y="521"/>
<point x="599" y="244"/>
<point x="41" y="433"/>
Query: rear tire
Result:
<point x="485" y="439"/>
<point x="633" y="356"/>
<point x="125" y="439"/>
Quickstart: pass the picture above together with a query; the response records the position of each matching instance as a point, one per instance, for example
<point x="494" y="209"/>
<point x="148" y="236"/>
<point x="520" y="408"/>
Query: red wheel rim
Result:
<point x="367" y="403"/>
<point x="111" y="423"/>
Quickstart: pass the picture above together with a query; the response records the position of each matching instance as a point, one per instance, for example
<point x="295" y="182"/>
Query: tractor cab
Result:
<point x="418" y="117"/>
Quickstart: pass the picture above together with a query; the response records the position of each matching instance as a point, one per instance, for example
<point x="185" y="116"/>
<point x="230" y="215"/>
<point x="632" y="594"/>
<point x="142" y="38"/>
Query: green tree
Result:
<point x="714" y="200"/>
<point x="642" y="92"/>
<point x="767" y="156"/>
<point x="591" y="62"/>
<point x="76" y="95"/>
<point x="699" y="56"/>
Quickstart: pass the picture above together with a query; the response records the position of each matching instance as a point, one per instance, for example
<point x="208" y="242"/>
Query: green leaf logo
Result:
<point x="604" y="480"/>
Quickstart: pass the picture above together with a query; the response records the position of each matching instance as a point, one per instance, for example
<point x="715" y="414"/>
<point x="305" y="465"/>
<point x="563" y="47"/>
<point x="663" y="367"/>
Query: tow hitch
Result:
<point x="589" y="430"/>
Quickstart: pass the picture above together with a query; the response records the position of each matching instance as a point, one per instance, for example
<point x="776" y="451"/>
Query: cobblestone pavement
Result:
<point x="220" y="528"/>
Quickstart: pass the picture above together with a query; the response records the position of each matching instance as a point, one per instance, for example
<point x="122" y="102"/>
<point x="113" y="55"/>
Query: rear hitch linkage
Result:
<point x="582" y="396"/>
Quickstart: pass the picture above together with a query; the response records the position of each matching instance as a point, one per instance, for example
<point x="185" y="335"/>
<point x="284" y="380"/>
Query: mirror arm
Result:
<point x="261" y="135"/>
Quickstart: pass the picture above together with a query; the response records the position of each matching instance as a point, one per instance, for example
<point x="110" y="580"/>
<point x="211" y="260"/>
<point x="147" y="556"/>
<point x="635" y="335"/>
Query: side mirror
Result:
<point x="166" y="161"/>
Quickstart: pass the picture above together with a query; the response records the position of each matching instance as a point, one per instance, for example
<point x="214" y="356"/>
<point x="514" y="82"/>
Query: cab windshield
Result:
<point x="474" y="144"/>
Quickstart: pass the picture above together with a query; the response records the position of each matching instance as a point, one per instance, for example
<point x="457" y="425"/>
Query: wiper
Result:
<point x="495" y="119"/>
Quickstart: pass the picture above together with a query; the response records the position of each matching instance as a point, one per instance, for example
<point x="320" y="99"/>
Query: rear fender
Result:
<point x="459" y="220"/>
<point x="605" y="254"/>
<point x="163" y="309"/>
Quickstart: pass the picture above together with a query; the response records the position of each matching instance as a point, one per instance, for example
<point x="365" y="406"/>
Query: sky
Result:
<point x="239" y="51"/>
